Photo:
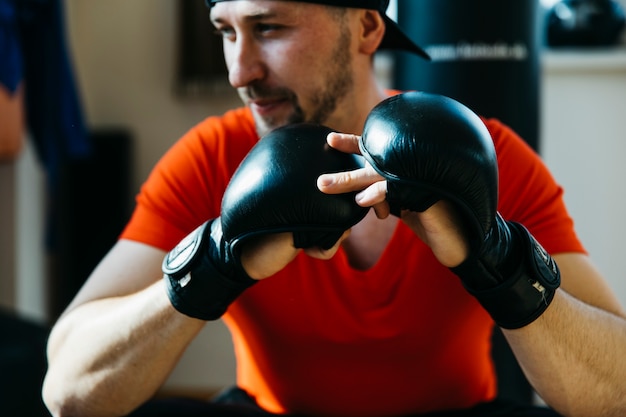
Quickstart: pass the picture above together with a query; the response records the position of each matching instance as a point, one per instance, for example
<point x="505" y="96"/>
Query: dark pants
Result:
<point x="236" y="403"/>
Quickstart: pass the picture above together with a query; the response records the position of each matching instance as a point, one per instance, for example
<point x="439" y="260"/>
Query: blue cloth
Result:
<point x="33" y="49"/>
<point x="10" y="54"/>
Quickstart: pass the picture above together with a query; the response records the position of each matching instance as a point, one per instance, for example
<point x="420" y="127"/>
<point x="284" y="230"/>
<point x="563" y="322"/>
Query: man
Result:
<point x="376" y="325"/>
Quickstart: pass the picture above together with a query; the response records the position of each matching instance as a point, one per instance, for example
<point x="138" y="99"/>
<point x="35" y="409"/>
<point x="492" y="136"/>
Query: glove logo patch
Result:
<point x="179" y="257"/>
<point x="184" y="280"/>
<point x="536" y="285"/>
<point x="180" y="254"/>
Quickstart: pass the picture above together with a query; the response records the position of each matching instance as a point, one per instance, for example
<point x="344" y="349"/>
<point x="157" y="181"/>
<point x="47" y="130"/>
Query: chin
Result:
<point x="263" y="126"/>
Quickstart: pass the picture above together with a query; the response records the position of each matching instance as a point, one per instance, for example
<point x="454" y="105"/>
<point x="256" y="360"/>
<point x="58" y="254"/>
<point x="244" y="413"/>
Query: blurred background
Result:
<point x="142" y="72"/>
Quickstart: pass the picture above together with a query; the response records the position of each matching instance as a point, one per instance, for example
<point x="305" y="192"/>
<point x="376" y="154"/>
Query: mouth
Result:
<point x="267" y="106"/>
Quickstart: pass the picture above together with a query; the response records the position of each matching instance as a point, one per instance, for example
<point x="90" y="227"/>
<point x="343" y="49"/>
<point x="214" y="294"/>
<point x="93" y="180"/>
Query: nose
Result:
<point x="243" y="59"/>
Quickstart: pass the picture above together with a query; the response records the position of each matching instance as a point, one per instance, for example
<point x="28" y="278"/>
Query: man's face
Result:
<point x="289" y="61"/>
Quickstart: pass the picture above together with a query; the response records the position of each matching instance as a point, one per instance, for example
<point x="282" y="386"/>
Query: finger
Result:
<point x="375" y="196"/>
<point x="344" y="142"/>
<point x="372" y="195"/>
<point x="382" y="210"/>
<point x="347" y="181"/>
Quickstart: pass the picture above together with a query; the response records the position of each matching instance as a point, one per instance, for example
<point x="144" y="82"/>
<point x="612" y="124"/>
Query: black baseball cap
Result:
<point x="394" y="37"/>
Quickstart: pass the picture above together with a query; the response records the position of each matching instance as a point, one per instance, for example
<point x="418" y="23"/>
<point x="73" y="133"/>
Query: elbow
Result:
<point x="58" y="402"/>
<point x="583" y="404"/>
<point x="62" y="401"/>
<point x="74" y="400"/>
<point x="56" y="406"/>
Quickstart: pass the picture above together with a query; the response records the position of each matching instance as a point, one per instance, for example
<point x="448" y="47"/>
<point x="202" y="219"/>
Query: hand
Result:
<point x="264" y="256"/>
<point x="438" y="226"/>
<point x="270" y="210"/>
<point x="370" y="186"/>
<point x="431" y="148"/>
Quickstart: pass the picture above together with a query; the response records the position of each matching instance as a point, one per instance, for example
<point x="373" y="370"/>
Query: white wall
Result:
<point x="584" y="143"/>
<point x="124" y="55"/>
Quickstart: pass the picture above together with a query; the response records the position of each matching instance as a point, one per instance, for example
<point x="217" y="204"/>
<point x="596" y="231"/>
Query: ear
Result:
<point x="372" y="31"/>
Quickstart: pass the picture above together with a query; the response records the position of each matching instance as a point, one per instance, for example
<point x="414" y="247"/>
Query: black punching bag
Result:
<point x="485" y="54"/>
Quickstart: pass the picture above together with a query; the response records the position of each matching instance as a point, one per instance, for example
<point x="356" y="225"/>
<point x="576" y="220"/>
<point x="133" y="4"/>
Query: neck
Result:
<point x="368" y="240"/>
<point x="357" y="105"/>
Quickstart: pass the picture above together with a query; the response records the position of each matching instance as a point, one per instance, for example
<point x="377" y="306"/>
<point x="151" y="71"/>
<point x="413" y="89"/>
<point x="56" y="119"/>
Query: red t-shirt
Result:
<point x="321" y="338"/>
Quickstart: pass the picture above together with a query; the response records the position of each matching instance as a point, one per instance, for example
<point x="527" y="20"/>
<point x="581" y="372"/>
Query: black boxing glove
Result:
<point x="430" y="147"/>
<point x="275" y="190"/>
<point x="272" y="191"/>
<point x="202" y="277"/>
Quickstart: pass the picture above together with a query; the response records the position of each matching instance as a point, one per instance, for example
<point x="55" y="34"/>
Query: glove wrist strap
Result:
<point x="526" y="294"/>
<point x="195" y="286"/>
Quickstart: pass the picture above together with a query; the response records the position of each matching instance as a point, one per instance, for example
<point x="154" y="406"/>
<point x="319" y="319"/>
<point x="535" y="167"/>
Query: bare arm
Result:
<point x="118" y="340"/>
<point x="120" y="337"/>
<point x="573" y="354"/>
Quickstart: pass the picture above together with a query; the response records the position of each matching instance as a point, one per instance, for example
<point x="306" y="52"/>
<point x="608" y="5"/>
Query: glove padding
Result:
<point x="275" y="190"/>
<point x="430" y="147"/>
<point x="272" y="191"/>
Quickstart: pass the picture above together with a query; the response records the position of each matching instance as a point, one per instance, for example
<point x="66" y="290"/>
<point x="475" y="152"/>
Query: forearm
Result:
<point x="573" y="357"/>
<point x="108" y="356"/>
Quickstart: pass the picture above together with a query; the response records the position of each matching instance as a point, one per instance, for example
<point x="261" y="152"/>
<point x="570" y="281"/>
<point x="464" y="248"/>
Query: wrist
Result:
<point x="520" y="291"/>
<point x="201" y="280"/>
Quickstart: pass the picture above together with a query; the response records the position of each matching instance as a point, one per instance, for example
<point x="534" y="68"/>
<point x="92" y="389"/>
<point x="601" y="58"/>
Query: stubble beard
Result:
<point x="337" y="83"/>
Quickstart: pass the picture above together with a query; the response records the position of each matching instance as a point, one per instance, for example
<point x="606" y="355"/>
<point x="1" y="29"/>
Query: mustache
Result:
<point x="260" y="92"/>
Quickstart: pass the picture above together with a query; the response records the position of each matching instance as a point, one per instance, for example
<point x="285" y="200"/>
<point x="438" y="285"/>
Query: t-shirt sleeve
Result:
<point x="185" y="187"/>
<point x="529" y="194"/>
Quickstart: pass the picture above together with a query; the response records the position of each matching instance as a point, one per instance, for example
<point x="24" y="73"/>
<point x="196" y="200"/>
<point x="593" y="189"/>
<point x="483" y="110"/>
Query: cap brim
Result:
<point x="396" y="39"/>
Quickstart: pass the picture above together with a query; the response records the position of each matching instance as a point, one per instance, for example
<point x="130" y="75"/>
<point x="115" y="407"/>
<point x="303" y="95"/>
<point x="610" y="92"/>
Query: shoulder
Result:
<point x="515" y="156"/>
<point x="209" y="152"/>
<point x="222" y="140"/>
<point x="186" y="185"/>
<point x="505" y="139"/>
<point x="529" y="193"/>
<point x="521" y="169"/>
<point x="237" y="123"/>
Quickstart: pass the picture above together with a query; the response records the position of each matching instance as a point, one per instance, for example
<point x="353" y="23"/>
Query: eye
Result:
<point x="265" y="29"/>
<point x="226" y="33"/>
